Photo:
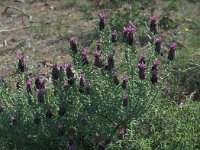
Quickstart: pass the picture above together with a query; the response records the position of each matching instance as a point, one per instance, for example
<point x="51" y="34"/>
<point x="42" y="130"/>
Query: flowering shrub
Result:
<point x="91" y="103"/>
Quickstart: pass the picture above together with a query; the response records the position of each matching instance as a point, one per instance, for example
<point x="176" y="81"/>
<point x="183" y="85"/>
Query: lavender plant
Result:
<point x="91" y="103"/>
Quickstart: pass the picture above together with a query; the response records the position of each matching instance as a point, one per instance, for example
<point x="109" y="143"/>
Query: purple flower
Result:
<point x="36" y="120"/>
<point x="72" y="145"/>
<point x="142" y="59"/>
<point x="130" y="29"/>
<point x="102" y="145"/>
<point x="61" y="129"/>
<point x="114" y="36"/>
<point x="40" y="95"/>
<point x="83" y="120"/>
<point x="158" y="45"/>
<point x="84" y="52"/>
<point x="14" y="119"/>
<point x="1" y="107"/>
<point x="102" y="17"/>
<point x="28" y="85"/>
<point x="70" y="74"/>
<point x="84" y="55"/>
<point x="21" y="63"/>
<point x="153" y="26"/>
<point x="172" y="51"/>
<point x="82" y="79"/>
<point x="125" y="82"/>
<point x="142" y="67"/>
<point x="62" y="110"/>
<point x="98" y="61"/>
<point x="55" y="72"/>
<point x="74" y="44"/>
<point x="125" y="100"/>
<point x="155" y="64"/>
<point x="154" y="76"/>
<point x="129" y="33"/>
<point x="42" y="84"/>
<point x="122" y="133"/>
<point x="49" y="113"/>
<point x="116" y="78"/>
<point x="39" y="83"/>
<point x="111" y="62"/>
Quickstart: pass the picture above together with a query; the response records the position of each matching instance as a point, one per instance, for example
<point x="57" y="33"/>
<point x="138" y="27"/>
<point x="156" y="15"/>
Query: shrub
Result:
<point x="89" y="105"/>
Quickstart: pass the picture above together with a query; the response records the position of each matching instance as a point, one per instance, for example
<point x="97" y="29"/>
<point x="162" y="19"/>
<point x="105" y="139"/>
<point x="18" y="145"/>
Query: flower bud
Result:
<point x="84" y="55"/>
<point x="74" y="44"/>
<point x="125" y="100"/>
<point x="142" y="67"/>
<point x="28" y="86"/>
<point x="82" y="79"/>
<point x="129" y="32"/>
<point x="111" y="62"/>
<point x="70" y="74"/>
<point x="98" y="61"/>
<point x="125" y="82"/>
<point x="102" y="17"/>
<point x="40" y="95"/>
<point x="154" y="76"/>
<point x="155" y="64"/>
<point x="172" y="51"/>
<point x="21" y="63"/>
<point x="87" y="87"/>
<point x="114" y="36"/>
<point x="116" y="78"/>
<point x="39" y="83"/>
<point x="153" y="25"/>
<point x="158" y="45"/>
<point x="55" y="72"/>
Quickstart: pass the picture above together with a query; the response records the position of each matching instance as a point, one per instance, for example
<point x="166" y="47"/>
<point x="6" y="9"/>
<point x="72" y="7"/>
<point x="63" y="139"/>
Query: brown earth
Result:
<point x="41" y="31"/>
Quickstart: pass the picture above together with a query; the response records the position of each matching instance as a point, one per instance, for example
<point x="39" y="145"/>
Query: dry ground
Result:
<point x="41" y="31"/>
